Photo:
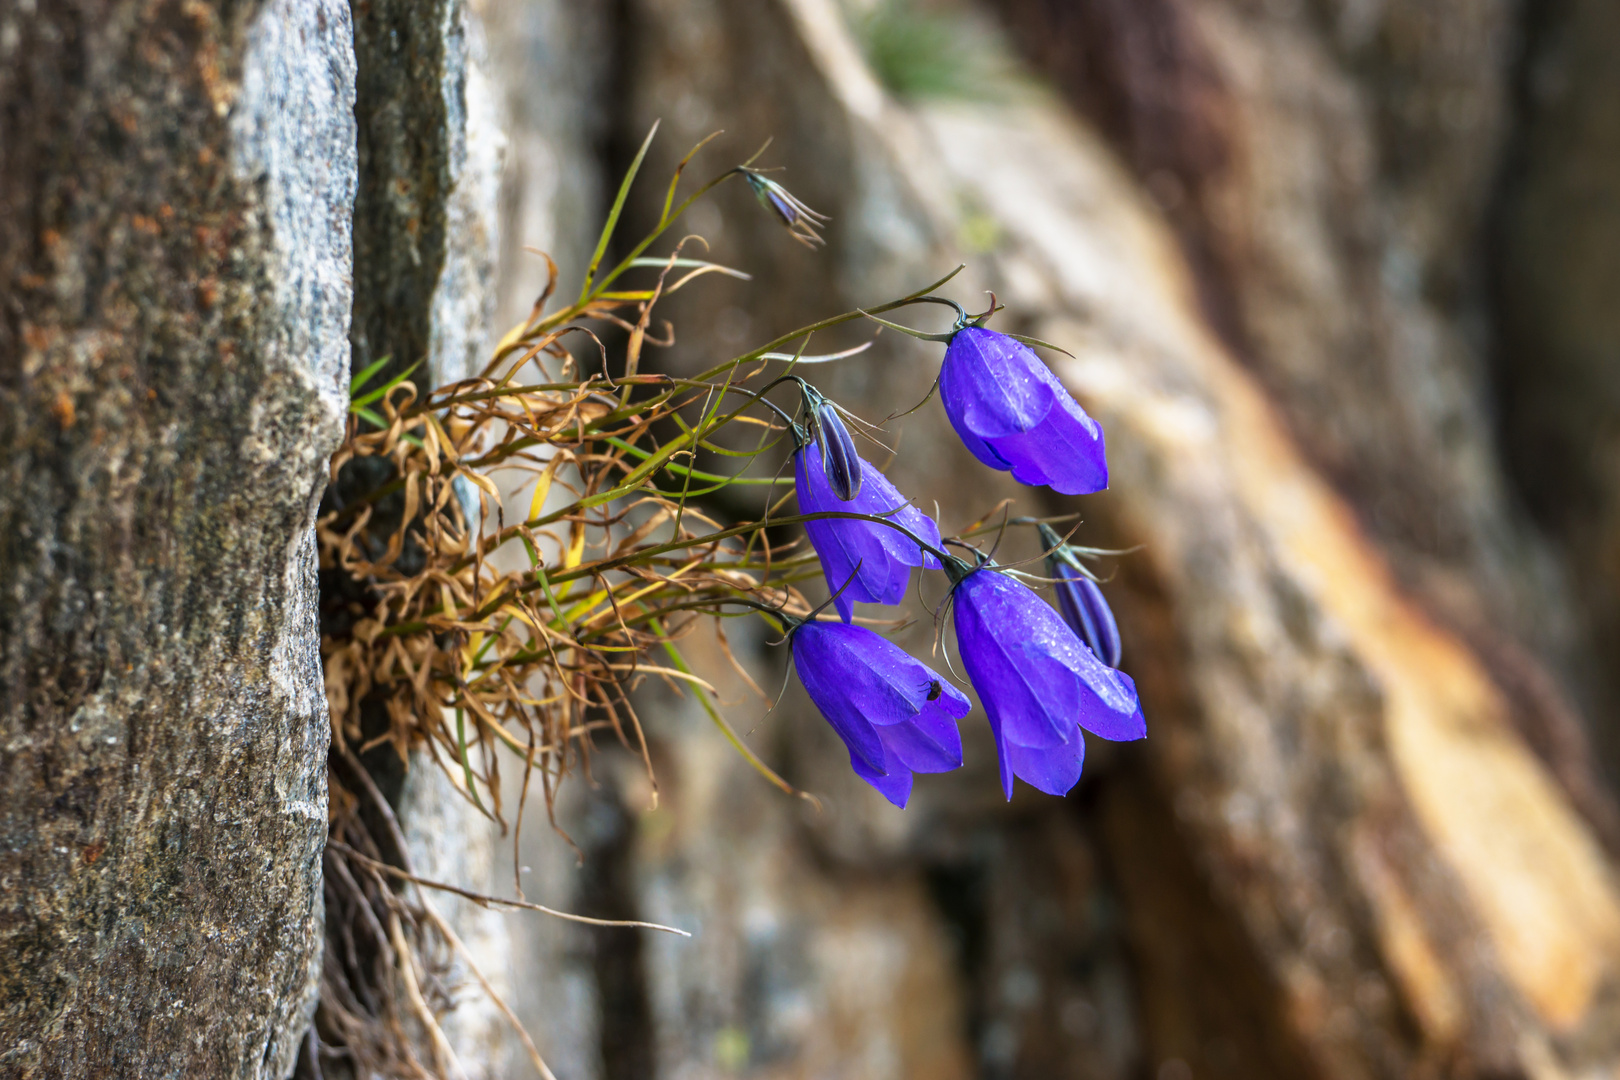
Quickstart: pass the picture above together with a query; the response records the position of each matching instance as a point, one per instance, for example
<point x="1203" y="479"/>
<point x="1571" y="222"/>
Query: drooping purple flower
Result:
<point x="1039" y="683"/>
<point x="872" y="558"/>
<point x="1013" y="414"/>
<point x="896" y="715"/>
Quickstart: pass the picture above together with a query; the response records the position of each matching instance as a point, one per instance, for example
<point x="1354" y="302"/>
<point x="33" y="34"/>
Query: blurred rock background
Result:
<point x="1338" y="279"/>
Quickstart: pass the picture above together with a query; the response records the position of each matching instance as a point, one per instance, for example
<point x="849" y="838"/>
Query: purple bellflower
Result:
<point x="1013" y="414"/>
<point x="1039" y="683"/>
<point x="896" y="715"/>
<point x="867" y="560"/>
<point x="1080" y="601"/>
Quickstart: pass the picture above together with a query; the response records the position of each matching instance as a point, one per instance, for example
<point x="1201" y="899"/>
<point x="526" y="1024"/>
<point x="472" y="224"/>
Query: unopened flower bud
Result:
<point x="838" y="458"/>
<point x="1080" y="601"/>
<point x="1086" y="611"/>
<point x="800" y="220"/>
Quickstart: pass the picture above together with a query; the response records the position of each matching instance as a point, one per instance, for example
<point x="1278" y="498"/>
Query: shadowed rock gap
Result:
<point x="607" y="891"/>
<point x="1554" y="233"/>
<point x="399" y="212"/>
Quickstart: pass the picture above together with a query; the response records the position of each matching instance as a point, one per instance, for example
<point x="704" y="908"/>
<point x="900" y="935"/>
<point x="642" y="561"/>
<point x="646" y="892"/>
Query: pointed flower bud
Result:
<point x="1040" y="685"/>
<point x="1014" y="415"/>
<point x="1086" y="611"/>
<point x="895" y="714"/>
<point x="801" y="221"/>
<point x="874" y="559"/>
<point x="1080" y="601"/>
<point x="838" y="458"/>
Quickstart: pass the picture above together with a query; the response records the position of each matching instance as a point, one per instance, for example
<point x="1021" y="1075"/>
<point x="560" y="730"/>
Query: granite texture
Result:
<point x="175" y="196"/>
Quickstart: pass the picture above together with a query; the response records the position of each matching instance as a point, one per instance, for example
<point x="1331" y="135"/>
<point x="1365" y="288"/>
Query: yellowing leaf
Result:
<point x="542" y="488"/>
<point x="576" y="546"/>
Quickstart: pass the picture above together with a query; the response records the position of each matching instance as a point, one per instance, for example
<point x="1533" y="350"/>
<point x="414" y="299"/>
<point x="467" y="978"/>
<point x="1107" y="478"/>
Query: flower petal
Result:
<point x="819" y="663"/>
<point x="1054" y="770"/>
<point x="1003" y="755"/>
<point x="880" y="679"/>
<point x="1085" y="609"/>
<point x="884" y="555"/>
<point x="931" y="743"/>
<point x="978" y="447"/>
<point x="991" y="384"/>
<point x="888" y="684"/>
<point x="879" y="497"/>
<point x="1012" y="413"/>
<point x="896" y="786"/>
<point x="1009" y="652"/>
<point x="839" y="462"/>
<point x="846" y="547"/>
<point x="1104" y="715"/>
<point x="1065" y="452"/>
<point x="894" y="713"/>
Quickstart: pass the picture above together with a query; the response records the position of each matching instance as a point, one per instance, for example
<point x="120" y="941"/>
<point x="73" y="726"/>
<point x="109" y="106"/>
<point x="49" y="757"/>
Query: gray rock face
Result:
<point x="175" y="198"/>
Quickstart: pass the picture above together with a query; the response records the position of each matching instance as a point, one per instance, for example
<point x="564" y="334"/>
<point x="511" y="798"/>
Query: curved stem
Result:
<point x="962" y="317"/>
<point x="836" y="320"/>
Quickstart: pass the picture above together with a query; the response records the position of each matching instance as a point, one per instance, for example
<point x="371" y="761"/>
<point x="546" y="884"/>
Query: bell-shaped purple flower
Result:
<point x="896" y="715"/>
<point x="874" y="560"/>
<point x="1039" y="683"/>
<point x="1013" y="414"/>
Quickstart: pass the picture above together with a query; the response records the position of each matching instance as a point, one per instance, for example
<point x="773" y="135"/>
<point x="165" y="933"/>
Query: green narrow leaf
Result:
<point x="613" y="215"/>
<point x="370" y="369"/>
<point x="675" y="181"/>
<point x="466" y="763"/>
<point x="680" y="664"/>
<point x="368" y="398"/>
<point x="682" y="470"/>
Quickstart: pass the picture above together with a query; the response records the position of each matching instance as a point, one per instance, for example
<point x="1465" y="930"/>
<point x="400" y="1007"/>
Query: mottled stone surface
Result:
<point x="175" y="195"/>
